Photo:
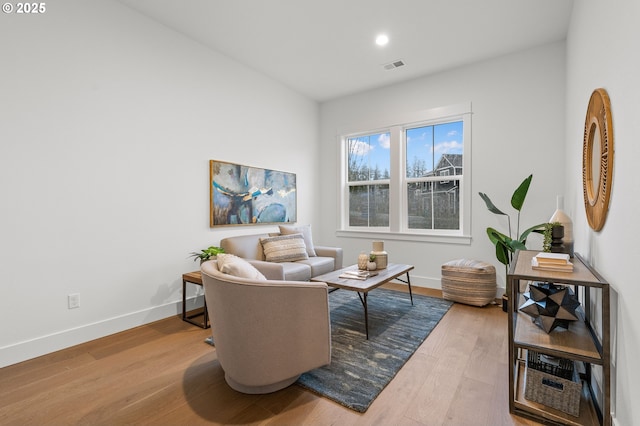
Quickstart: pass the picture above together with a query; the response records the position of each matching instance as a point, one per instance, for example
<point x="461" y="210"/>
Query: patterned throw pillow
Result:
<point x="238" y="267"/>
<point x="305" y="230"/>
<point x="284" y="248"/>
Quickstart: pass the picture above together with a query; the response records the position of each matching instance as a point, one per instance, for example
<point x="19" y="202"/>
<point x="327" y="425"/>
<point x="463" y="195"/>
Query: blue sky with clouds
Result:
<point x="424" y="143"/>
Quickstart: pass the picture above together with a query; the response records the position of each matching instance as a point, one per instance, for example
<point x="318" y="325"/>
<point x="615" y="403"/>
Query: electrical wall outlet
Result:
<point x="74" y="300"/>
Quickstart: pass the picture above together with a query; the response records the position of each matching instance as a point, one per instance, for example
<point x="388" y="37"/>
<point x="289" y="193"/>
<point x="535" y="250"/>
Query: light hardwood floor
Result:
<point x="164" y="374"/>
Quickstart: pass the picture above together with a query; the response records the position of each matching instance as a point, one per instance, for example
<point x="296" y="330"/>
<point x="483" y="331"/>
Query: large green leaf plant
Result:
<point x="507" y="244"/>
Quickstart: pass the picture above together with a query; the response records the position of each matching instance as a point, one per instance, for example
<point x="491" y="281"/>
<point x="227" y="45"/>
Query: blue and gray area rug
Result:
<point x="361" y="368"/>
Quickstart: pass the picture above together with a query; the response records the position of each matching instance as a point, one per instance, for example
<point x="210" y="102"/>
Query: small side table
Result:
<point x="194" y="277"/>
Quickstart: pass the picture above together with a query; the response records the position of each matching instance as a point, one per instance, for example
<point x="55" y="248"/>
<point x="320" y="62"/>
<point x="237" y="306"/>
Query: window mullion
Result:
<point x="396" y="199"/>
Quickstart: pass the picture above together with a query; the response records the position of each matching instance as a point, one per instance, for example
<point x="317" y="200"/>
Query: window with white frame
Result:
<point x="408" y="178"/>
<point x="368" y="164"/>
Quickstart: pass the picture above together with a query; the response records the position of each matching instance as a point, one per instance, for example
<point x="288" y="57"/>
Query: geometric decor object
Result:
<point x="550" y="305"/>
<point x="243" y="195"/>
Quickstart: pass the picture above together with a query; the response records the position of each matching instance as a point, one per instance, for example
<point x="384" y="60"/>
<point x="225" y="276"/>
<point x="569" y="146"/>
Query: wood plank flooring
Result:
<point x="164" y="374"/>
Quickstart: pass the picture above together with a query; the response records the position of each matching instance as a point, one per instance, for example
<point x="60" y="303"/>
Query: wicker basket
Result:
<point x="554" y="384"/>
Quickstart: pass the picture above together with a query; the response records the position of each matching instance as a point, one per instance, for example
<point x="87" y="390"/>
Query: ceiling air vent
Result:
<point x="395" y="64"/>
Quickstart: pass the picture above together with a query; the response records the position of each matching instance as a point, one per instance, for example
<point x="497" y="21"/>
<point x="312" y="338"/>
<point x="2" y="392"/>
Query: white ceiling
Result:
<point x="325" y="49"/>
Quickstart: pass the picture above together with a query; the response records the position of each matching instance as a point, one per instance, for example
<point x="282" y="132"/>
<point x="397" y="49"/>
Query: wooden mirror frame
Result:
<point x="597" y="193"/>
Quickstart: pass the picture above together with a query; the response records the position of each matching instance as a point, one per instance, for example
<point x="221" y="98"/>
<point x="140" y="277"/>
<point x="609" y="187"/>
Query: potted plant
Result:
<point x="505" y="244"/>
<point x="552" y="232"/>
<point x="371" y="265"/>
<point x="206" y="254"/>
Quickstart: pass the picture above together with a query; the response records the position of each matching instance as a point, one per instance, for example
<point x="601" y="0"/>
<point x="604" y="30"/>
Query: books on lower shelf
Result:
<point x="358" y="275"/>
<point x="559" y="262"/>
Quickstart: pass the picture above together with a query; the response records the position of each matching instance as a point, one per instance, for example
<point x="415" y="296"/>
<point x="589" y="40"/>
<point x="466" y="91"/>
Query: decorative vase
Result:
<point x="380" y="254"/>
<point x="363" y="259"/>
<point x="563" y="219"/>
<point x="372" y="266"/>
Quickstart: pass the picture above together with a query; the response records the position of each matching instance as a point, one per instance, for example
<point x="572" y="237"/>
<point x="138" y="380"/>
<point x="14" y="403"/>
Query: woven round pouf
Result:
<point x="472" y="282"/>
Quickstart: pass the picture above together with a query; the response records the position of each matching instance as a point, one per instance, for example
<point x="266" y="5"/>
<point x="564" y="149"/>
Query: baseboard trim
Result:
<point x="427" y="282"/>
<point x="43" y="345"/>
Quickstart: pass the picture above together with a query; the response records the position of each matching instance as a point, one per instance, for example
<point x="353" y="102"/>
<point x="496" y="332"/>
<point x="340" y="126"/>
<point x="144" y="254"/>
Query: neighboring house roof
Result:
<point x="449" y="160"/>
<point x="446" y="161"/>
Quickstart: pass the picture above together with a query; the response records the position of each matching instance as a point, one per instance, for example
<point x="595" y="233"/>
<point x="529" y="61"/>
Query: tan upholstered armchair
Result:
<point x="266" y="333"/>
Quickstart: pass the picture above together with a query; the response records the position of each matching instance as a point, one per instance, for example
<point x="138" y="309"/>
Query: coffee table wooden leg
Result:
<point x="366" y="316"/>
<point x="363" y="299"/>
<point x="408" y="283"/>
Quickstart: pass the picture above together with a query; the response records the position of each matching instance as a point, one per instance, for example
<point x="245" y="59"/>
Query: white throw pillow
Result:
<point x="305" y="230"/>
<point x="238" y="267"/>
<point x="284" y="248"/>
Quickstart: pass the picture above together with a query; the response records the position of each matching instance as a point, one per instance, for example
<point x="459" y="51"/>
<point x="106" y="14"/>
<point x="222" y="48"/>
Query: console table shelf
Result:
<point x="581" y="342"/>
<point x="576" y="343"/>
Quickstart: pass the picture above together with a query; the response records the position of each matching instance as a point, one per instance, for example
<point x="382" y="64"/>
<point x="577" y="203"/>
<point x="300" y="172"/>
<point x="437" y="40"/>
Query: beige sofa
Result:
<point x="266" y="333"/>
<point x="320" y="259"/>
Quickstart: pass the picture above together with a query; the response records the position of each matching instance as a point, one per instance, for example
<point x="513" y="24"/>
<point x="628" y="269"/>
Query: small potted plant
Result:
<point x="371" y="265"/>
<point x="206" y="254"/>
<point x="553" y="232"/>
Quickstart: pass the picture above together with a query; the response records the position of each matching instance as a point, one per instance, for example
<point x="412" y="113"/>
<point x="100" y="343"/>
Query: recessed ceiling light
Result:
<point x="382" y="40"/>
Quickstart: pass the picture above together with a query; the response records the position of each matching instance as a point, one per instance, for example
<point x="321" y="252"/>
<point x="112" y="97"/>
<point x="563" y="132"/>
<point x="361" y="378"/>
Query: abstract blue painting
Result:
<point x="243" y="195"/>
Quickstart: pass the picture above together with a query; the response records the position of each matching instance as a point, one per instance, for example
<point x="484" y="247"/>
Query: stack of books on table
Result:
<point x="358" y="275"/>
<point x="558" y="262"/>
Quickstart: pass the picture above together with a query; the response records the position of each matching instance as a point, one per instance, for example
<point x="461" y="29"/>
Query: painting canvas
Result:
<point x="243" y="195"/>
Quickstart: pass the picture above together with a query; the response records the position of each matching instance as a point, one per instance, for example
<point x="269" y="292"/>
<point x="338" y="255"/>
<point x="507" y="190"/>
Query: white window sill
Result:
<point x="400" y="236"/>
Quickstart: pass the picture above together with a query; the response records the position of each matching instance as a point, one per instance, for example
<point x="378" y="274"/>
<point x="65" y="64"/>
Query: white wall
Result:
<point x="602" y="51"/>
<point x="518" y="129"/>
<point x="108" y="121"/>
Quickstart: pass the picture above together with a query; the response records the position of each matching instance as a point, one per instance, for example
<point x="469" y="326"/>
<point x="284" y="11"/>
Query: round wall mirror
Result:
<point x="594" y="178"/>
<point x="597" y="158"/>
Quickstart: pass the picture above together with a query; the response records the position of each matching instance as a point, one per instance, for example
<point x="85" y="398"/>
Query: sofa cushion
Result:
<point x="319" y="265"/>
<point x="305" y="231"/>
<point x="296" y="271"/>
<point x="244" y="246"/>
<point x="238" y="267"/>
<point x="284" y="248"/>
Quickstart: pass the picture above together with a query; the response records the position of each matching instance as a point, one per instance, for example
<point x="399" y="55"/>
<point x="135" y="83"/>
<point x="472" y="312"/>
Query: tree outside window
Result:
<point x="368" y="176"/>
